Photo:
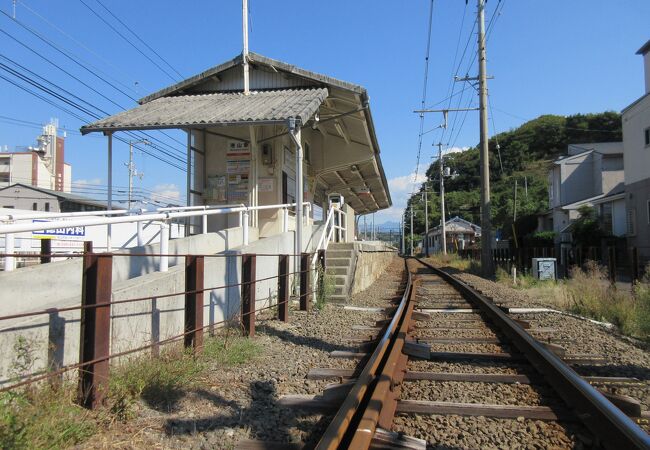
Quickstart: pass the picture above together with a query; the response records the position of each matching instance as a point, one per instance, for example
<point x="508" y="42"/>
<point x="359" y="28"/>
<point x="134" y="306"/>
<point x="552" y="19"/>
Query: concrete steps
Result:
<point x="340" y="260"/>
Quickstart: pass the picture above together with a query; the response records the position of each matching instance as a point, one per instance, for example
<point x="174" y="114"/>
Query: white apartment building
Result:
<point x="636" y="144"/>
<point x="42" y="166"/>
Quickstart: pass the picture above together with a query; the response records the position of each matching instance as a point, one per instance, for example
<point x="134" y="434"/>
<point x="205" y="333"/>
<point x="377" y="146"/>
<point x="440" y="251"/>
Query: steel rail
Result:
<point x="610" y="425"/>
<point x="345" y="423"/>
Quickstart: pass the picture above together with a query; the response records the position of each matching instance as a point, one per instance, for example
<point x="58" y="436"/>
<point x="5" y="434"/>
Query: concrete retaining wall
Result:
<point x="372" y="260"/>
<point x="53" y="340"/>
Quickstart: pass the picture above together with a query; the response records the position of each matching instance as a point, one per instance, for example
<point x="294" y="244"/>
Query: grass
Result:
<point x="44" y="416"/>
<point x="454" y="261"/>
<point x="324" y="290"/>
<point x="587" y="292"/>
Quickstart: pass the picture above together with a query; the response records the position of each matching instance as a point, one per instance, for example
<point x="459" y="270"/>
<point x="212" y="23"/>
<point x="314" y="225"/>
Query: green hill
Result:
<point x="524" y="155"/>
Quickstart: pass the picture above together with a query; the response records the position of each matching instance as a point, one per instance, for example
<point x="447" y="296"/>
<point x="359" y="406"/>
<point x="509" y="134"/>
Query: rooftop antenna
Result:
<point x="245" y="51"/>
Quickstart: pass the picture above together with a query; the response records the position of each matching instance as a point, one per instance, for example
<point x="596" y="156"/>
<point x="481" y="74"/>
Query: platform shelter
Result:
<point x="264" y="132"/>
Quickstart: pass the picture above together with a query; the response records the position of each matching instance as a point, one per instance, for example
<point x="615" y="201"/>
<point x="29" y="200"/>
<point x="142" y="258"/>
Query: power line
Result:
<point x="128" y="40"/>
<point x="424" y="95"/>
<point x="72" y="58"/>
<point x="69" y="102"/>
<point x="81" y="44"/>
<point x="139" y="38"/>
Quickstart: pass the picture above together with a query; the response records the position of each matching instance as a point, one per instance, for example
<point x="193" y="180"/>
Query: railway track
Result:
<point x="488" y="366"/>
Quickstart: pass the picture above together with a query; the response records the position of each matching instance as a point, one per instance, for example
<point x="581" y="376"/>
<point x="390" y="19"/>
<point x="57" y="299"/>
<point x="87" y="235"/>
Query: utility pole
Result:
<point x="131" y="167"/>
<point x="411" y="230"/>
<point x="401" y="229"/>
<point x="443" y="220"/>
<point x="514" y="213"/>
<point x="486" y="225"/>
<point x="245" y="45"/>
<point x="426" y="220"/>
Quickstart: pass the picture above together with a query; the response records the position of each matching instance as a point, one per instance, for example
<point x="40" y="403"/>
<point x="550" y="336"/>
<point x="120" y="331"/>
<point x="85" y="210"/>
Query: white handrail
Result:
<point x="41" y="226"/>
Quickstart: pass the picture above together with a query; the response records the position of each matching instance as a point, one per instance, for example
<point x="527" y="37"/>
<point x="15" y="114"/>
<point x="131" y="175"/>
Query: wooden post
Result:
<point x="283" y="288"/>
<point x="95" y="327"/>
<point x="248" y="294"/>
<point x="194" y="271"/>
<point x="634" y="264"/>
<point x="46" y="251"/>
<point x="612" y="264"/>
<point x="305" y="292"/>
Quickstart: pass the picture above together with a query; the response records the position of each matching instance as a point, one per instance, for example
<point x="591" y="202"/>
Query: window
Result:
<point x="4" y="161"/>
<point x="4" y="178"/>
<point x="47" y="206"/>
<point x="8" y="206"/>
<point x="34" y="206"/>
<point x="647" y="136"/>
<point x="631" y="222"/>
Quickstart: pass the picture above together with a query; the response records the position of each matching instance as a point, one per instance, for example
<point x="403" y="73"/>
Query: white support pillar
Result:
<point x="140" y="233"/>
<point x="109" y="247"/>
<point x="294" y="131"/>
<point x="245" y="227"/>
<point x="204" y="222"/>
<point x="188" y="201"/>
<point x="285" y="220"/>
<point x="10" y="261"/>
<point x="164" y="246"/>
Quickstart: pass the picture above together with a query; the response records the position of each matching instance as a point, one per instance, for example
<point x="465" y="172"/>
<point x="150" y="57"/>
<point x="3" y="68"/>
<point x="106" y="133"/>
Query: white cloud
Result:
<point x="89" y="182"/>
<point x="455" y="150"/>
<point x="406" y="182"/>
<point x="166" y="193"/>
<point x="400" y="190"/>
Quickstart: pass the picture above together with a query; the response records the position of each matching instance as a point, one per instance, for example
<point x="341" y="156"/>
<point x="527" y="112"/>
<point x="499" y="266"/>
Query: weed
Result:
<point x="325" y="287"/>
<point x="43" y="418"/>
<point x="160" y="381"/>
<point x="24" y="359"/>
<point x="231" y="352"/>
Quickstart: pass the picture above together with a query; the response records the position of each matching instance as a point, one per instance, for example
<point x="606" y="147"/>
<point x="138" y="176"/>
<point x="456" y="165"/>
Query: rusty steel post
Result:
<point x="612" y="264"/>
<point x="95" y="327"/>
<point x="194" y="272"/>
<point x="305" y="293"/>
<point x="248" y="294"/>
<point x="321" y="273"/>
<point x="283" y="288"/>
<point x="46" y="251"/>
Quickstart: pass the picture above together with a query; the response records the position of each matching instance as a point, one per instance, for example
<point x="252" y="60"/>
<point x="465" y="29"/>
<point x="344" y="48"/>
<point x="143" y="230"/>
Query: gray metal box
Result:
<point x="545" y="268"/>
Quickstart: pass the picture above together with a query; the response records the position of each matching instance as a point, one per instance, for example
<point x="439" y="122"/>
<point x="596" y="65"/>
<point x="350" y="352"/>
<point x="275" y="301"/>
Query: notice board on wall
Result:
<point x="238" y="166"/>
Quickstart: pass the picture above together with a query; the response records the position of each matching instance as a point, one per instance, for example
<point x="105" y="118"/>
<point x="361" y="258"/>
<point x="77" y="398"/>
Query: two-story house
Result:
<point x="592" y="175"/>
<point x="636" y="144"/>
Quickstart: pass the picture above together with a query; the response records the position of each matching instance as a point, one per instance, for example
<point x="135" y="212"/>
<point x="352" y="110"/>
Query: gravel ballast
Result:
<point x="230" y="404"/>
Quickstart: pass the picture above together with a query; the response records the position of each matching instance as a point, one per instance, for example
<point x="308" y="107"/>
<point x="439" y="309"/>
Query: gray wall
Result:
<point x="54" y="339"/>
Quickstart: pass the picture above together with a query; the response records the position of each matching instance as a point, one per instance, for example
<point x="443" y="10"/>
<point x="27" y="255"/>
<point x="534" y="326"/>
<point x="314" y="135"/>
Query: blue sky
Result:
<point x="560" y="57"/>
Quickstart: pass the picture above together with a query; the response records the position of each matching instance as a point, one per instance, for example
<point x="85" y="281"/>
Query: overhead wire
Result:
<point x="138" y="37"/>
<point x="73" y="104"/>
<point x="424" y="95"/>
<point x="100" y="17"/>
<point x="74" y="59"/>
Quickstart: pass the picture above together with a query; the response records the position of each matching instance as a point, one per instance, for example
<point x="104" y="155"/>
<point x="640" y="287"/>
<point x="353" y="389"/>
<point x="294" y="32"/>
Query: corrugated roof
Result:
<point x="196" y="111"/>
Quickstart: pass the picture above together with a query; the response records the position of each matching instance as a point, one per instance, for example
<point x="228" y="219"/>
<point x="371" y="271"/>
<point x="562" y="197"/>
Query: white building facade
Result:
<point x="42" y="166"/>
<point x="636" y="143"/>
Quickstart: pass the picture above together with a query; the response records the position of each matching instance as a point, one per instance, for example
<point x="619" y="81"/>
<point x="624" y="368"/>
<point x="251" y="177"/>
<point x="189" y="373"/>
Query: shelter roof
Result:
<point x="223" y="109"/>
<point x="256" y="60"/>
